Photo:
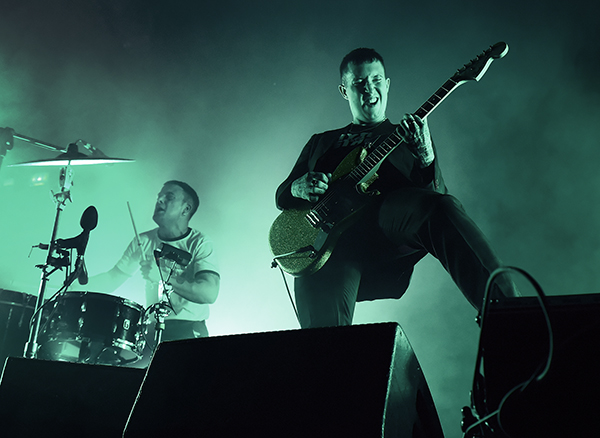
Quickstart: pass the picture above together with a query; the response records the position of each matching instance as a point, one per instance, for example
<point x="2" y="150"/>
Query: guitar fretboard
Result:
<point x="393" y="140"/>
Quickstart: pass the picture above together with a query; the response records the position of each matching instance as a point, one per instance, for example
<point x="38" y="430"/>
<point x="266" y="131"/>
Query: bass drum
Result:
<point x="16" y="310"/>
<point x="91" y="327"/>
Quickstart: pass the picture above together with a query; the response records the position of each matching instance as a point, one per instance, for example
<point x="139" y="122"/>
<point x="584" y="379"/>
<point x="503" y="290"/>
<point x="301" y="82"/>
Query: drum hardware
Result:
<point x="6" y="142"/>
<point x="161" y="310"/>
<point x="60" y="200"/>
<point x="164" y="306"/>
<point x="57" y="257"/>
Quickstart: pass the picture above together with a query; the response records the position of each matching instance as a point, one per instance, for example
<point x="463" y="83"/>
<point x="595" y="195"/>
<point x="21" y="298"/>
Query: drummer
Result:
<point x="194" y="284"/>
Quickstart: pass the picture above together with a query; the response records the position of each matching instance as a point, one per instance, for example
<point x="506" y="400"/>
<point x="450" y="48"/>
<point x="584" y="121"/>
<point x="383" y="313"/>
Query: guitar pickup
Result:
<point x="316" y="221"/>
<point x="314" y="218"/>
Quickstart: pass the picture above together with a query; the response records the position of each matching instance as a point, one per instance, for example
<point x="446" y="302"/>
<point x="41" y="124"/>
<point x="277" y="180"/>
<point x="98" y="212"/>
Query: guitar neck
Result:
<point x="393" y="140"/>
<point x="333" y="207"/>
<point x="436" y="98"/>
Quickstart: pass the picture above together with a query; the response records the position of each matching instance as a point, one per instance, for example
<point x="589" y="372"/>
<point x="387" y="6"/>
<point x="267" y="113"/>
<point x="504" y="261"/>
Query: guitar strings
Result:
<point x="359" y="171"/>
<point x="384" y="148"/>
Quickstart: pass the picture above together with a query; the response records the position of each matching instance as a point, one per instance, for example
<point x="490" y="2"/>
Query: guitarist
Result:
<point x="410" y="213"/>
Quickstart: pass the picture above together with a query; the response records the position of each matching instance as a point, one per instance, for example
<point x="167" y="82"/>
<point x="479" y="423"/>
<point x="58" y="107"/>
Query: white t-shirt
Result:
<point x="203" y="259"/>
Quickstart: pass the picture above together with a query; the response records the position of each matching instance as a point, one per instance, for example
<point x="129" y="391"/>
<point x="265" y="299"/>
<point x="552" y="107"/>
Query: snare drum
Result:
<point x="91" y="327"/>
<point x="16" y="310"/>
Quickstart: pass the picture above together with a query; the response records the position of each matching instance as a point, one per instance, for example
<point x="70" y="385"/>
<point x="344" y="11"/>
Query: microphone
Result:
<point x="79" y="273"/>
<point x="88" y="221"/>
<point x="89" y="218"/>
<point x="83" y="277"/>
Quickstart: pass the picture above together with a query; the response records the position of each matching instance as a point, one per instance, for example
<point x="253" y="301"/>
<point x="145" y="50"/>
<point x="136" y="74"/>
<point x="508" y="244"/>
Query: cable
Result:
<point x="275" y="264"/>
<point x="50" y="300"/>
<point x="480" y="422"/>
<point x="535" y="376"/>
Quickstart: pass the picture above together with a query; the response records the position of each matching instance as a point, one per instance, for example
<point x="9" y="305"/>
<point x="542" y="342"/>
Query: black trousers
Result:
<point x="409" y="220"/>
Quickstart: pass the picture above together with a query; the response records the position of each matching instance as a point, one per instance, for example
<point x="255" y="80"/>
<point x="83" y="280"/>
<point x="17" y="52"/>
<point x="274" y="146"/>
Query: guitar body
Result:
<point x="289" y="234"/>
<point x="299" y="247"/>
<point x="302" y="240"/>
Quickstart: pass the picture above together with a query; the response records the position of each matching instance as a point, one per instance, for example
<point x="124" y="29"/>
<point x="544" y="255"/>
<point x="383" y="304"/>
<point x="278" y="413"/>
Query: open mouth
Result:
<point x="371" y="101"/>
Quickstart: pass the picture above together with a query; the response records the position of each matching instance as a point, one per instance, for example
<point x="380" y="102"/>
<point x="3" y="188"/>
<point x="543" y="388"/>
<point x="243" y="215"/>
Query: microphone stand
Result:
<point x="161" y="310"/>
<point x="163" y="307"/>
<point x="60" y="198"/>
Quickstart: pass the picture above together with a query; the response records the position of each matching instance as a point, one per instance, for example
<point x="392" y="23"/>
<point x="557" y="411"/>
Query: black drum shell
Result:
<point x="91" y="327"/>
<point x="16" y="310"/>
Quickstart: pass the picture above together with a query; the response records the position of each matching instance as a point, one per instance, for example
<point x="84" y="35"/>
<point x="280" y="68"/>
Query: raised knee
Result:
<point x="435" y="204"/>
<point x="443" y="202"/>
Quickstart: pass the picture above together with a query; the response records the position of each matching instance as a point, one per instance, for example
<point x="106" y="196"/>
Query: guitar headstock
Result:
<point x="474" y="70"/>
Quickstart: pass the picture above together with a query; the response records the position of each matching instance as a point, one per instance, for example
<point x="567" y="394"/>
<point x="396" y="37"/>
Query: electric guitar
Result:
<point x="302" y="240"/>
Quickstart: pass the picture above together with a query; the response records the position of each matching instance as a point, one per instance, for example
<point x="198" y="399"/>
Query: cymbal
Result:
<point x="74" y="158"/>
<point x="81" y="161"/>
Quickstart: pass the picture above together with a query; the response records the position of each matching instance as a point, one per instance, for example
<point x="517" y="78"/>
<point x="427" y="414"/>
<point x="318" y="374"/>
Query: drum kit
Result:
<point x="76" y="326"/>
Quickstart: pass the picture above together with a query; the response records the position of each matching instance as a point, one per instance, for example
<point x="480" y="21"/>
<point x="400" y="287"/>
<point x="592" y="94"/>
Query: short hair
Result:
<point x="359" y="56"/>
<point x="190" y="197"/>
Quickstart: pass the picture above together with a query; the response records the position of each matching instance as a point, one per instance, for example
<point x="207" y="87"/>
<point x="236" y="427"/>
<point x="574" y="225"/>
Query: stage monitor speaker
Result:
<point x="358" y="381"/>
<point x="41" y="398"/>
<point x="515" y="343"/>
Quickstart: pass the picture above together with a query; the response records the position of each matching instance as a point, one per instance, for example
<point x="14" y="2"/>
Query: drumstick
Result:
<point x="137" y="237"/>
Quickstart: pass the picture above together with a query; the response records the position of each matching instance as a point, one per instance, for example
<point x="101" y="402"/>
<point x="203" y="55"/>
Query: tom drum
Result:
<point x="92" y="327"/>
<point x="16" y="310"/>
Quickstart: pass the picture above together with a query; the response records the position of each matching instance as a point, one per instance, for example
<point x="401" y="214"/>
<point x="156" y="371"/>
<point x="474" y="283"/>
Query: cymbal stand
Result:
<point x="8" y="135"/>
<point x="6" y="142"/>
<point x="60" y="199"/>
